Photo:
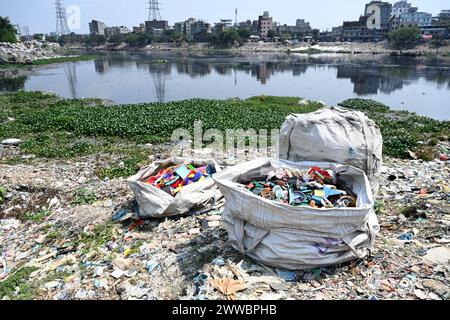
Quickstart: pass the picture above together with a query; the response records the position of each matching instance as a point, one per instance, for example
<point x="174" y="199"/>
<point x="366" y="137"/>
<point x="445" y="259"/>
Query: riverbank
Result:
<point x="251" y="47"/>
<point x="35" y="53"/>
<point x="61" y="185"/>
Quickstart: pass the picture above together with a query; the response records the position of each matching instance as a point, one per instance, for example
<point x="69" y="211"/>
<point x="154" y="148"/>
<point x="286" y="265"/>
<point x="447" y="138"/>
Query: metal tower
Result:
<point x="153" y="10"/>
<point x="62" y="27"/>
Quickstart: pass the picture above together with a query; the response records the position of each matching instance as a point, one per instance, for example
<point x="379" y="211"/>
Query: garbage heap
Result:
<point x="315" y="188"/>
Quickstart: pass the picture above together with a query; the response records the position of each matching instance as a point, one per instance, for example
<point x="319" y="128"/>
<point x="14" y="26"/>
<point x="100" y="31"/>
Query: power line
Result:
<point x="153" y="10"/>
<point x="62" y="27"/>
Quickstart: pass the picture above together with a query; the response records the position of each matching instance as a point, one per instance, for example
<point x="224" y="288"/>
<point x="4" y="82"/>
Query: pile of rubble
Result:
<point x="56" y="230"/>
<point x="27" y="52"/>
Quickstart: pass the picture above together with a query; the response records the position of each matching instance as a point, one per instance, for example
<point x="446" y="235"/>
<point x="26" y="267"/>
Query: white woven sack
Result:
<point x="297" y="238"/>
<point x="156" y="203"/>
<point x="334" y="134"/>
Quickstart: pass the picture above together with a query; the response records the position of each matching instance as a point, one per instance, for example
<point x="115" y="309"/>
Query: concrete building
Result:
<point x="302" y="24"/>
<point x="265" y="24"/>
<point x="443" y="19"/>
<point x="156" y="24"/>
<point x="418" y="19"/>
<point x="114" y="31"/>
<point x="192" y="28"/>
<point x="372" y="26"/>
<point x="378" y="15"/>
<point x="434" y="31"/>
<point x="97" y="28"/>
<point x="140" y="29"/>
<point x="401" y="7"/>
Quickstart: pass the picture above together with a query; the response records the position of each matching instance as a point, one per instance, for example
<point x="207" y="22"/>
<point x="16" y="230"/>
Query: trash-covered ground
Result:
<point x="58" y="242"/>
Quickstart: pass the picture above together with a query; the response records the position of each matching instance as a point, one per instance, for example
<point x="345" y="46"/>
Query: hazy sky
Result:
<point x="39" y="15"/>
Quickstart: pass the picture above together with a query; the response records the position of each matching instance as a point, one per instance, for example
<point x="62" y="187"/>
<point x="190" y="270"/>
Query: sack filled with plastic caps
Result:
<point x="176" y="186"/>
<point x="297" y="238"/>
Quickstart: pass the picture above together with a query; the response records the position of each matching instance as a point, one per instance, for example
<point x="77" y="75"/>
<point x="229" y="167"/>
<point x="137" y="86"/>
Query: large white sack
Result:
<point x="297" y="238"/>
<point x="333" y="134"/>
<point x="156" y="203"/>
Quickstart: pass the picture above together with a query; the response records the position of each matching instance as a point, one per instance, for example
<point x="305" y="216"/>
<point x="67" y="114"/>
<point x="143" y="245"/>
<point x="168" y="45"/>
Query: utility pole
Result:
<point x="62" y="27"/>
<point x="236" y="17"/>
<point x="153" y="10"/>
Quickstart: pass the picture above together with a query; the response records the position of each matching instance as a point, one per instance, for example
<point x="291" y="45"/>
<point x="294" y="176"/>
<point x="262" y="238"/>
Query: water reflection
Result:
<point x="385" y="75"/>
<point x="164" y="76"/>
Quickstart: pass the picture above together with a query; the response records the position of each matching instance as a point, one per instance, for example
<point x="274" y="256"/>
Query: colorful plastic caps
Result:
<point x="173" y="179"/>
<point x="313" y="188"/>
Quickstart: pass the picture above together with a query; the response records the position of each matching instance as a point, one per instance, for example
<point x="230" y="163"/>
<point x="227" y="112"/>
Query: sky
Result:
<point x="39" y="15"/>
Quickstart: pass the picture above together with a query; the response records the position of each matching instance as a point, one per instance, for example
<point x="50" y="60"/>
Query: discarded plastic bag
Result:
<point x="296" y="238"/>
<point x="156" y="203"/>
<point x="337" y="135"/>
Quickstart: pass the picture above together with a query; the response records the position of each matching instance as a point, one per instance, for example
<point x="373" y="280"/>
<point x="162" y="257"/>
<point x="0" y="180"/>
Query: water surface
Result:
<point x="418" y="85"/>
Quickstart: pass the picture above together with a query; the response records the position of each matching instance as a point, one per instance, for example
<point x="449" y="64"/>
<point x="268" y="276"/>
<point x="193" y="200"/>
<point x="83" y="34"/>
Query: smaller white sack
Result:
<point x="291" y="237"/>
<point x="156" y="203"/>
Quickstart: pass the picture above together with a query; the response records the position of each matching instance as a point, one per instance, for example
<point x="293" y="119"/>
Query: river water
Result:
<point x="418" y="85"/>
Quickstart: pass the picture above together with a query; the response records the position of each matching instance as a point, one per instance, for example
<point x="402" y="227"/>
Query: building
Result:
<point x="372" y="26"/>
<point x="415" y="19"/>
<point x="401" y="7"/>
<point x="156" y="24"/>
<point x="114" y="31"/>
<point x="192" y="28"/>
<point x="434" y="31"/>
<point x="303" y="25"/>
<point x="378" y="15"/>
<point x="97" y="28"/>
<point x="443" y="19"/>
<point x="265" y="24"/>
<point x="140" y="29"/>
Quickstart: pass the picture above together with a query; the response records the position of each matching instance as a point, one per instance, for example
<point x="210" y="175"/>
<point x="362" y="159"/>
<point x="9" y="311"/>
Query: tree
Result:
<point x="7" y="31"/>
<point x="404" y="38"/>
<point x="38" y="36"/>
<point x="271" y="34"/>
<point x="244" y="34"/>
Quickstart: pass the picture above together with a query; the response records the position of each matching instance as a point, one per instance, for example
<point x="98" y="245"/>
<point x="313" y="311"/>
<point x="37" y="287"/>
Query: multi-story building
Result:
<point x="156" y="24"/>
<point x="415" y="19"/>
<point x="113" y="31"/>
<point x="265" y="24"/>
<point x="443" y="19"/>
<point x="372" y="26"/>
<point x="97" y="28"/>
<point x="140" y="29"/>
<point x="192" y="28"/>
<point x="401" y="7"/>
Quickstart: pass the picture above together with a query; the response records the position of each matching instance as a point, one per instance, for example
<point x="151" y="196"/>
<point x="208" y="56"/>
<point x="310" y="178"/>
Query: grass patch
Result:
<point x="95" y="239"/>
<point x="402" y="130"/>
<point x="17" y="285"/>
<point x="38" y="216"/>
<point x="52" y="127"/>
<point x="84" y="196"/>
<point x="2" y="194"/>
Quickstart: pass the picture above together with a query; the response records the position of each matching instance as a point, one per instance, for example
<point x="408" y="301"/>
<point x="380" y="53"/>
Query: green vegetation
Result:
<point x="97" y="238"/>
<point x="2" y="194"/>
<point x="7" y="31"/>
<point x="38" y="216"/>
<point x="402" y="130"/>
<point x="404" y="38"/>
<point x="52" y="127"/>
<point x="84" y="196"/>
<point x="18" y="279"/>
<point x="42" y="62"/>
